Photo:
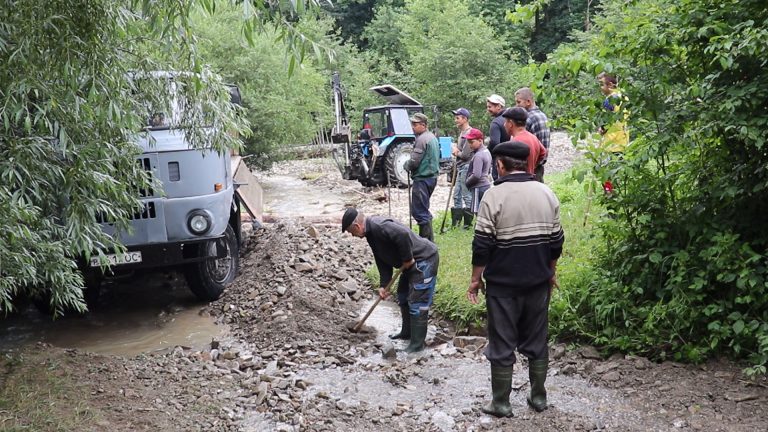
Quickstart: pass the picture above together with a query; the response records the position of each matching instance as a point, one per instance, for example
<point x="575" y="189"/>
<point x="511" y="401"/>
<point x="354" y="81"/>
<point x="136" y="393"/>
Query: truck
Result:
<point x="191" y="222"/>
<point x="376" y="156"/>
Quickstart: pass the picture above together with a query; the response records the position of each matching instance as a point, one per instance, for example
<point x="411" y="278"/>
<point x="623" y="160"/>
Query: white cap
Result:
<point x="496" y="99"/>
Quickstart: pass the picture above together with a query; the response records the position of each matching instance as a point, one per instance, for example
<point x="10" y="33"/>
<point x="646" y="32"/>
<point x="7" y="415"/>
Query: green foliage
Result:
<point x="70" y="116"/>
<point x="683" y="270"/>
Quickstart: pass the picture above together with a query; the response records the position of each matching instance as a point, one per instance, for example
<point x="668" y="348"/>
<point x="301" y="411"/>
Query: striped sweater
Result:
<point x="517" y="236"/>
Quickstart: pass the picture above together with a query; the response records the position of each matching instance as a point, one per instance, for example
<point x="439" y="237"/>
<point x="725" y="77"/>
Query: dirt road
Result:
<point x="288" y="363"/>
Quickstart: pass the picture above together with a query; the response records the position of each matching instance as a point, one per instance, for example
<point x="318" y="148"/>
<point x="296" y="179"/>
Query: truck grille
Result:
<point x="147" y="211"/>
<point x="146" y="165"/>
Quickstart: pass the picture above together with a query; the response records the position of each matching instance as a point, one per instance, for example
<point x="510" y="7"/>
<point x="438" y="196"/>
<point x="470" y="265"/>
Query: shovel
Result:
<point x="356" y="328"/>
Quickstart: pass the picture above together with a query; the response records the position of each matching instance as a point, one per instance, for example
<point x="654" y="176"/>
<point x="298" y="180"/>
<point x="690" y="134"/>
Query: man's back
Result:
<point x="537" y="125"/>
<point x="538" y="152"/>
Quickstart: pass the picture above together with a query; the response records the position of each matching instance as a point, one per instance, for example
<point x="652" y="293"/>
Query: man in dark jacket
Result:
<point x="424" y="167"/>
<point x="518" y="240"/>
<point x="495" y="104"/>
<point x="396" y="246"/>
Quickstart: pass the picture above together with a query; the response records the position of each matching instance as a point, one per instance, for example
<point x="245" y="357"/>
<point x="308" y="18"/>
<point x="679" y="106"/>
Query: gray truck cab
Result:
<point x="190" y="222"/>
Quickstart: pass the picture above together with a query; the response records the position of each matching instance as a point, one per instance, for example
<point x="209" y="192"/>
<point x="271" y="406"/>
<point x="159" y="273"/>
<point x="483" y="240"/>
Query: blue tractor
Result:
<point x="377" y="156"/>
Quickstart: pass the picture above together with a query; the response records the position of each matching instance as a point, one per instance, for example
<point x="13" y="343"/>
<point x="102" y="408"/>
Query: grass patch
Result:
<point x="35" y="396"/>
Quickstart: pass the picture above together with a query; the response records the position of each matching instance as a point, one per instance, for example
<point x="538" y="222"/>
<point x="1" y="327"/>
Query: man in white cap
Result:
<point x="495" y="105"/>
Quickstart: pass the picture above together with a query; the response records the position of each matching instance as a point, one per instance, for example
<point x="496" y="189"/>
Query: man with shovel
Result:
<point x="396" y="246"/>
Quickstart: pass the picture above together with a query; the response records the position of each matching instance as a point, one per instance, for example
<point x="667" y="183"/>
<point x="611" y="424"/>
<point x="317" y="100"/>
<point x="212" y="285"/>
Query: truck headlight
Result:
<point x="198" y="222"/>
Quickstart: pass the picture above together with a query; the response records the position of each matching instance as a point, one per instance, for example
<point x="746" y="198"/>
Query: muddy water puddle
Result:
<point x="142" y="315"/>
<point x="290" y="197"/>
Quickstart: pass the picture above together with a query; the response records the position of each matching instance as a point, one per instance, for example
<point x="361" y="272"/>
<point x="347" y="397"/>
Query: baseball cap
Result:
<point x="496" y="99"/>
<point x="349" y="216"/>
<point x="462" y="112"/>
<point x="419" y="118"/>
<point x="474" y="134"/>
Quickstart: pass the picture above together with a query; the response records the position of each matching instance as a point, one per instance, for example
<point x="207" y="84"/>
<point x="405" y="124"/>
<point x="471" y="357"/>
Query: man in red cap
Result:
<point x="479" y="171"/>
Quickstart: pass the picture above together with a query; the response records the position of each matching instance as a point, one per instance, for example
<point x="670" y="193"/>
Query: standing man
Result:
<point x="536" y="123"/>
<point x="515" y="120"/>
<point x="518" y="240"/>
<point x="424" y="167"/>
<point x="462" y="198"/>
<point x="494" y="104"/>
<point x="479" y="170"/>
<point x="396" y="246"/>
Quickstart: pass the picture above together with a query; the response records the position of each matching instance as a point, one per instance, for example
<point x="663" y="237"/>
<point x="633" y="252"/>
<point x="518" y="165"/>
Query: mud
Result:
<point x="287" y="362"/>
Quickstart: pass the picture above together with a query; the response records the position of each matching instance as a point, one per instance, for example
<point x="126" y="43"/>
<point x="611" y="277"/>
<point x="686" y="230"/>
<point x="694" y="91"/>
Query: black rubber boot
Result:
<point x="425" y="231"/>
<point x="405" y="330"/>
<point x="501" y="386"/>
<point x="537" y="373"/>
<point x="418" y="331"/>
<point x="468" y="217"/>
<point x="456" y="215"/>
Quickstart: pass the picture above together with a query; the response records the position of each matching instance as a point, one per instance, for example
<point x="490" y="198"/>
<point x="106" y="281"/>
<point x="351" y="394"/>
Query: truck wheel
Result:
<point x="396" y="159"/>
<point x="208" y="278"/>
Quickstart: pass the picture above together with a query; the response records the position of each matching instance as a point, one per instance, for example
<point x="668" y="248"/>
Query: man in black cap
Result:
<point x="518" y="240"/>
<point x="396" y="246"/>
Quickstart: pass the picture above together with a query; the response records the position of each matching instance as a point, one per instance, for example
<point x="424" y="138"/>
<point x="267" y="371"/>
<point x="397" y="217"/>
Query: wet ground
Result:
<point x="274" y="353"/>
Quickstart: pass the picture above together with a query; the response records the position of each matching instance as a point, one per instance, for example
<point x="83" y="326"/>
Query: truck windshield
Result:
<point x="400" y="121"/>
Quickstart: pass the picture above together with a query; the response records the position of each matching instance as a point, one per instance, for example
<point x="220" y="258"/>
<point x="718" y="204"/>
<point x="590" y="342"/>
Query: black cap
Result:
<point x="518" y="114"/>
<point x="514" y="149"/>
<point x="349" y="216"/>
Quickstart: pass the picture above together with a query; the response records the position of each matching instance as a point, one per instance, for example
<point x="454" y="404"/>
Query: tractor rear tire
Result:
<point x="208" y="278"/>
<point x="395" y="161"/>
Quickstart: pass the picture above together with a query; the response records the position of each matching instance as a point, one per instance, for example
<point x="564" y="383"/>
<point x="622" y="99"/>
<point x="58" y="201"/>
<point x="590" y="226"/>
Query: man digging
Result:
<point x="396" y="246"/>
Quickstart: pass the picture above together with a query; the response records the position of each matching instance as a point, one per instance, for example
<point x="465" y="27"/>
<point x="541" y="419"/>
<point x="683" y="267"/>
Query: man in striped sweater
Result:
<point x="518" y="239"/>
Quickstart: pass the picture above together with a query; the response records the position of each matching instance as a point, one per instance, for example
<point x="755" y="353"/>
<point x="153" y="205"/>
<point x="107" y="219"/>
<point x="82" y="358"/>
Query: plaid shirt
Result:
<point x="537" y="125"/>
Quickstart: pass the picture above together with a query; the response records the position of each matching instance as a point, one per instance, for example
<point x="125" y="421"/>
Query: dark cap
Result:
<point x="474" y="134"/>
<point x="518" y="114"/>
<point x="349" y="216"/>
<point x="462" y="112"/>
<point x="419" y="118"/>
<point x="514" y="149"/>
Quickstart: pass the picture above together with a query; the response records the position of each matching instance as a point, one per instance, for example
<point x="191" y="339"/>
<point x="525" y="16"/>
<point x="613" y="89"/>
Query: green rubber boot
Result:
<point x="537" y="372"/>
<point x="468" y="219"/>
<point x="405" y="330"/>
<point x="501" y="386"/>
<point x="418" y="331"/>
<point x="456" y="215"/>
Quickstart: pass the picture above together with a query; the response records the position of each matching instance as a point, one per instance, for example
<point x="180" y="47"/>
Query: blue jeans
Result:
<point x="416" y="288"/>
<point x="421" y="192"/>
<point x="462" y="197"/>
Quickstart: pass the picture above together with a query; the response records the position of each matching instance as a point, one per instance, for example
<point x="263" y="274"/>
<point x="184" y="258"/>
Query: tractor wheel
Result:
<point x="396" y="159"/>
<point x="208" y="278"/>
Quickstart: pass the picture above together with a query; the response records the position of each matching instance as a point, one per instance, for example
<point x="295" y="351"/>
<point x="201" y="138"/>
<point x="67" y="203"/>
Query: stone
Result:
<point x="313" y="232"/>
<point x="281" y="290"/>
<point x="303" y="267"/>
<point x="466" y="341"/>
<point x="558" y="351"/>
<point x="388" y="351"/>
<point x="590" y="352"/>
<point x="612" y="376"/>
<point x="443" y="421"/>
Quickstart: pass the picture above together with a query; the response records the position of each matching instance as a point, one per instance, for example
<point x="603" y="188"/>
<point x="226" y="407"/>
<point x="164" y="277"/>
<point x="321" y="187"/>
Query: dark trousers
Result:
<point x="517" y="323"/>
<point x="421" y="192"/>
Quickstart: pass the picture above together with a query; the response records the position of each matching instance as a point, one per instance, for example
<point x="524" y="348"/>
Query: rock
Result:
<point x="612" y="376"/>
<point x="590" y="352"/>
<point x="281" y="290"/>
<point x="465" y="341"/>
<point x="303" y="267"/>
<point x="679" y="423"/>
<point x="606" y="367"/>
<point x="229" y="355"/>
<point x="558" y="351"/>
<point x="443" y="421"/>
<point x="388" y="351"/>
<point x="568" y="369"/>
<point x="325" y="285"/>
<point x="261" y="393"/>
<point x="313" y="232"/>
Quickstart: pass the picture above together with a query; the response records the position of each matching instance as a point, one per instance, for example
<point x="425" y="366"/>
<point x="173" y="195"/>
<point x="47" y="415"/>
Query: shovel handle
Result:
<point x="376" y="303"/>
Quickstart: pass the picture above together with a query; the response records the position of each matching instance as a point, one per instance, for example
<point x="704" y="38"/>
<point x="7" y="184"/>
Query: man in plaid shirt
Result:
<point x="536" y="123"/>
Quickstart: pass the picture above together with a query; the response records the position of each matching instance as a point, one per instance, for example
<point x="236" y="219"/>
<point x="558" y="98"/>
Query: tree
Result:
<point x="69" y="116"/>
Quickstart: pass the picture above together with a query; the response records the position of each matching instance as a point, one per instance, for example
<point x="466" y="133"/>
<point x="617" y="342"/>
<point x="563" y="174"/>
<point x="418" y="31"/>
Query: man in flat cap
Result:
<point x="424" y="167"/>
<point x="518" y="240"/>
<point x="514" y="123"/>
<point x="495" y="104"/>
<point x="396" y="246"/>
<point x="462" y="198"/>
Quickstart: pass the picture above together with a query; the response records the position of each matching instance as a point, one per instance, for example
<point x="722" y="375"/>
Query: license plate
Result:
<point x="115" y="259"/>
